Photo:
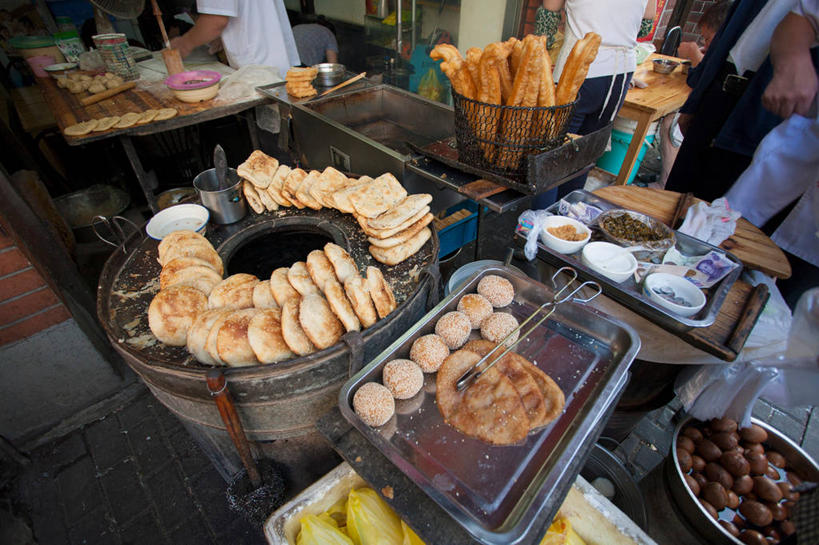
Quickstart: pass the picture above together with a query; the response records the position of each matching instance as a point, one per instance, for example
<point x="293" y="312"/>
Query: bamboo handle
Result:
<point x="158" y="15"/>
<point x="93" y="99"/>
<point x="344" y="84"/>
<point x="217" y="384"/>
<point x="682" y="207"/>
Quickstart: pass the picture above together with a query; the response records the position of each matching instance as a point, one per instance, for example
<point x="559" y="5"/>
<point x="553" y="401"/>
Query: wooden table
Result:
<point x="665" y="94"/>
<point x="150" y="92"/>
<point x="32" y="110"/>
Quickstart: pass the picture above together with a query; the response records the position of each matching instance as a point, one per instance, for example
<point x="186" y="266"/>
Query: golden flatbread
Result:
<point x="252" y="197"/>
<point x="340" y="200"/>
<point x="401" y="212"/>
<point x="404" y="235"/>
<point x="356" y="291"/>
<point x="280" y="286"/>
<point x="275" y="187"/>
<point x="232" y="344"/>
<point x="234" y="292"/>
<point x="340" y="305"/>
<point x="172" y="312"/>
<point x="198" y="334"/>
<point x="178" y="237"/>
<point x="387" y="233"/>
<point x="259" y="168"/>
<point x="320" y="268"/>
<point x="330" y="180"/>
<point x="201" y="277"/>
<point x="127" y="120"/>
<point x="264" y="333"/>
<point x="397" y="254"/>
<point x="147" y="116"/>
<point x="81" y="129"/>
<point x="343" y="263"/>
<point x="303" y="192"/>
<point x="380" y="292"/>
<point x="319" y="322"/>
<point x="105" y="123"/>
<point x="263" y="295"/>
<point x="299" y="278"/>
<point x="378" y="196"/>
<point x="291" y="184"/>
<point x="293" y="334"/>
<point x="176" y="265"/>
<point x="165" y="113"/>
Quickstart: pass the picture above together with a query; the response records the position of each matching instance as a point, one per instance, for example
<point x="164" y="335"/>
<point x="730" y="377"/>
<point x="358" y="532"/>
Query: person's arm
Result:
<point x="690" y="51"/>
<point x="647" y="22"/>
<point x="794" y="84"/>
<point x="207" y="28"/>
<point x="547" y="20"/>
<point x="332" y="56"/>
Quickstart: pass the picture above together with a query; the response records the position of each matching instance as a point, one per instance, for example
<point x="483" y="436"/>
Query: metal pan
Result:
<point x="498" y="493"/>
<point x="629" y="294"/>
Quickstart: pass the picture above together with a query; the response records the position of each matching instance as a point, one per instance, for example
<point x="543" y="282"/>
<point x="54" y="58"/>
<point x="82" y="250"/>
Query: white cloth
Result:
<point x="810" y="10"/>
<point x="616" y="21"/>
<point x="785" y="166"/>
<point x="258" y="32"/>
<point x="753" y="45"/>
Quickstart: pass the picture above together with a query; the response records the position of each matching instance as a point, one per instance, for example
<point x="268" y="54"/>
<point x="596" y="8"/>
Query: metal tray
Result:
<point x="497" y="492"/>
<point x="629" y="294"/>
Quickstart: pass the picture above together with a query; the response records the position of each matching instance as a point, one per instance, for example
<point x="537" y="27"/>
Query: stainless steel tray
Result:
<point x="497" y="492"/>
<point x="629" y="294"/>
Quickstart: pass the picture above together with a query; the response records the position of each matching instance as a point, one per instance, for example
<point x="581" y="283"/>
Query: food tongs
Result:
<point x="474" y="373"/>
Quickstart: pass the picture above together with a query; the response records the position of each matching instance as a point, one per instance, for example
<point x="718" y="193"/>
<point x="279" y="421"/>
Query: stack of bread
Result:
<point x="514" y="73"/>
<point x="242" y="320"/>
<point x="394" y="222"/>
<point x="299" y="81"/>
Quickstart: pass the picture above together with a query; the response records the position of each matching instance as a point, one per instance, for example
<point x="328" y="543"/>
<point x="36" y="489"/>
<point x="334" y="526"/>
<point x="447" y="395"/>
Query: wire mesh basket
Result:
<point x="498" y="138"/>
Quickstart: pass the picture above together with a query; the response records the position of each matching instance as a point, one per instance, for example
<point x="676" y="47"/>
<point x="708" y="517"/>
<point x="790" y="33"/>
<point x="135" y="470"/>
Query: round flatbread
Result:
<point x="263" y="296"/>
<point x="292" y="332"/>
<point x="232" y="344"/>
<point x="360" y="300"/>
<point x="198" y="334"/>
<point x="200" y="277"/>
<point x="299" y="278"/>
<point x="264" y="333"/>
<point x="172" y="312"/>
<point x="165" y="113"/>
<point x="81" y="129"/>
<point x="320" y="268"/>
<point x="252" y="197"/>
<point x="147" y="116"/>
<point x="281" y="287"/>
<point x="175" y="237"/>
<point x="234" y="292"/>
<point x="380" y="292"/>
<point x="105" y="123"/>
<point x="175" y="265"/>
<point x="340" y="305"/>
<point x="343" y="264"/>
<point x="127" y="120"/>
<point x="318" y="321"/>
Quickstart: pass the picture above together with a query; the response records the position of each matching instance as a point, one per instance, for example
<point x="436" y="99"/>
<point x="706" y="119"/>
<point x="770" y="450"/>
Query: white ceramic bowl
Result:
<point x="192" y="217"/>
<point x="61" y="69"/>
<point x="610" y="260"/>
<point x="676" y="286"/>
<point x="558" y="244"/>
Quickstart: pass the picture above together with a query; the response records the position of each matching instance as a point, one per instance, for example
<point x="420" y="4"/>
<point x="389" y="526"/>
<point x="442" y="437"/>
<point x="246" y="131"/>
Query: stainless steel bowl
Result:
<point x="330" y="74"/>
<point x="664" y="66"/>
<point x="80" y="208"/>
<point x="661" y="245"/>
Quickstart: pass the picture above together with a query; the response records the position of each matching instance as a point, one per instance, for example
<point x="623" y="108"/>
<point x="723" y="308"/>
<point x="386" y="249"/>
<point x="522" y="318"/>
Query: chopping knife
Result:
<point x="172" y="58"/>
<point x="220" y="164"/>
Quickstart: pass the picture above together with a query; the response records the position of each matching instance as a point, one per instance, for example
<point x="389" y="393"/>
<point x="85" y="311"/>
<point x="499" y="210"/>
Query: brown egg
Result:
<point x="725" y="440"/>
<point x="717" y="473"/>
<point x="787" y="491"/>
<point x="776" y="459"/>
<point x="772" y="534"/>
<point x="686" y="443"/>
<point x="693" y="485"/>
<point x="733" y="500"/>
<point x="787" y="527"/>
<point x="756" y="513"/>
<point x="788" y="505"/>
<point x="772" y="472"/>
<point x="729" y="527"/>
<point x="738" y="521"/>
<point x="754" y="447"/>
<point x="715" y="494"/>
<point x="758" y="462"/>
<point x="752" y="537"/>
<point x="794" y="479"/>
<point x="684" y="460"/>
<point x="735" y="463"/>
<point x="753" y="434"/>
<point x="743" y="485"/>
<point x="766" y="489"/>
<point x="708" y="450"/>
<point x="710" y="508"/>
<point x="723" y="424"/>
<point x="700" y="478"/>
<point x="693" y="433"/>
<point x="778" y="511"/>
<point x="697" y="463"/>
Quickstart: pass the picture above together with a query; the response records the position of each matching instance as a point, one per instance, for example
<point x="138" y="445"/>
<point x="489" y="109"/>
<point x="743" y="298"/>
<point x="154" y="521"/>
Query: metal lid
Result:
<point x="31" y="42"/>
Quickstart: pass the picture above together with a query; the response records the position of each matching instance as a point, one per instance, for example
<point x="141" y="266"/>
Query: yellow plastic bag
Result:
<point x="561" y="533"/>
<point x="320" y="531"/>
<point x="370" y="521"/>
<point x="338" y="511"/>
<point x="430" y="86"/>
<point x="410" y="538"/>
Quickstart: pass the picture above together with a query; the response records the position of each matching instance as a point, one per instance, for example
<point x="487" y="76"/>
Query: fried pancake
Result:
<point x="299" y="278"/>
<point x="343" y="264"/>
<point x="490" y="409"/>
<point x="303" y="192"/>
<point x="293" y="334"/>
<point x="401" y="212"/>
<point x="340" y="305"/>
<point x="172" y="312"/>
<point x="281" y="287"/>
<point x="318" y="321"/>
<point x="263" y="295"/>
<point x="397" y="254"/>
<point x="231" y="339"/>
<point x="380" y="292"/>
<point x="361" y="301"/>
<point x="198" y="334"/>
<point x="264" y="333"/>
<point x="378" y="196"/>
<point x="234" y="292"/>
<point x="200" y="277"/>
<point x="403" y="236"/>
<point x="340" y="200"/>
<point x="177" y="264"/>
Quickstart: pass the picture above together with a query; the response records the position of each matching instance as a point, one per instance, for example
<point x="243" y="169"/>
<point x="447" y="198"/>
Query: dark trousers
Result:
<point x="589" y="115"/>
<point x="707" y="171"/>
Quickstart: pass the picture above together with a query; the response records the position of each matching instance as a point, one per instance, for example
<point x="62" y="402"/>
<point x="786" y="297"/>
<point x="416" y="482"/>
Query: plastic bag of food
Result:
<point x="321" y="530"/>
<point x="561" y="533"/>
<point x="430" y="86"/>
<point x="370" y="521"/>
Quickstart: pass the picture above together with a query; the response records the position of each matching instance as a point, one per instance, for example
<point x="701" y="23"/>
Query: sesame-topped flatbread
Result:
<point x="379" y="196"/>
<point x="291" y="185"/>
<point x="259" y="168"/>
<point x="403" y="236"/>
<point x="292" y="332"/>
<point x="299" y="278"/>
<point x="397" y="254"/>
<point x="340" y="200"/>
<point x="320" y="268"/>
<point x="343" y="263"/>
<point x="281" y="287"/>
<point x="275" y="187"/>
<point x="330" y="180"/>
<point x="303" y="192"/>
<point x="401" y="212"/>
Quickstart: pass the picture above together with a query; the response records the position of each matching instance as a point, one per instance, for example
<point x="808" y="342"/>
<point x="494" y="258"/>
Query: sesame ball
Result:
<point x="453" y="327"/>
<point x="429" y="352"/>
<point x="497" y="290"/>
<point x="476" y="307"/>
<point x="498" y="326"/>
<point x="403" y="378"/>
<point x="373" y="403"/>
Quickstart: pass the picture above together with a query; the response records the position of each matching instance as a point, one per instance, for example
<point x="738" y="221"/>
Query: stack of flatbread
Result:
<point x="299" y="82"/>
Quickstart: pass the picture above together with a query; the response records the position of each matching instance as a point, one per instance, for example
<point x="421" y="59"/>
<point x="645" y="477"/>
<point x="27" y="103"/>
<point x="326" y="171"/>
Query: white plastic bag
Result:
<point x="243" y="82"/>
<point x="711" y="223"/>
<point x="531" y="223"/>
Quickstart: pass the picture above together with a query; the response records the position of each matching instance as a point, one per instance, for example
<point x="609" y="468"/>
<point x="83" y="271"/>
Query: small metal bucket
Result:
<point x="225" y="205"/>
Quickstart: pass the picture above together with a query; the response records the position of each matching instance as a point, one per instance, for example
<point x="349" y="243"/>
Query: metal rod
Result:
<point x="413" y="26"/>
<point x="398" y="29"/>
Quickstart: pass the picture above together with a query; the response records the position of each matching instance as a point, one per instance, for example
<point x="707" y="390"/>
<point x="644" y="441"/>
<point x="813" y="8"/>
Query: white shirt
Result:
<point x="755" y="41"/>
<point x="257" y="32"/>
<point x="616" y="21"/>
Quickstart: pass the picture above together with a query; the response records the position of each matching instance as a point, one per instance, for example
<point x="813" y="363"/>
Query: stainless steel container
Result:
<point x="330" y="74"/>
<point x="226" y="205"/>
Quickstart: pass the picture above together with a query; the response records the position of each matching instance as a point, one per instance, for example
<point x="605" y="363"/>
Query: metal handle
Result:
<point x="114" y="230"/>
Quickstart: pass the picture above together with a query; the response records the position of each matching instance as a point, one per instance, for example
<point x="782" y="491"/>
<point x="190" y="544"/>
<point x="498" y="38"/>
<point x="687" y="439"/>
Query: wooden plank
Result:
<point x="634" y="146"/>
<point x="481" y="189"/>
<point x="664" y="94"/>
<point x="748" y="244"/>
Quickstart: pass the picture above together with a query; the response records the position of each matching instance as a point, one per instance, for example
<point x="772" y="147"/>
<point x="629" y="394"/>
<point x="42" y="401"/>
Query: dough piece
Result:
<point x="293" y="334"/>
<point x="329" y="181"/>
<point x="96" y="87"/>
<point x="380" y="292"/>
<point x="496" y="327"/>
<point x="263" y="296"/>
<point x="303" y="192"/>
<point x="319" y="322"/>
<point x="388" y="233"/>
<point x="320" y="268"/>
<point x="340" y="200"/>
<point x="234" y="292"/>
<point x="397" y="254"/>
<point x="75" y="87"/>
<point x="172" y="312"/>
<point x="361" y="301"/>
<point x="291" y="184"/>
<point x="343" y="264"/>
<point x="404" y="378"/>
<point x="404" y="235"/>
<point x="177" y="264"/>
<point x="340" y="305"/>
<point x="201" y="277"/>
<point x="281" y="287"/>
<point x="147" y="116"/>
<point x="577" y="66"/>
<point x="252" y="197"/>
<point x="429" y="352"/>
<point x="114" y="82"/>
<point x="275" y="187"/>
<point x="165" y="113"/>
<point x="198" y="334"/>
<point x="259" y="168"/>
<point x="374" y="404"/>
<point x="105" y="123"/>
<point x="401" y="212"/>
<point x="453" y="328"/>
<point x="127" y="120"/>
<point x="497" y="290"/>
<point x="490" y="409"/>
<point x="81" y="129"/>
<point x="476" y="307"/>
<point x="85" y="77"/>
<point x="62" y="82"/>
<point x="232" y="343"/>
<point x="264" y="333"/>
<point x="299" y="278"/>
<point x="378" y="196"/>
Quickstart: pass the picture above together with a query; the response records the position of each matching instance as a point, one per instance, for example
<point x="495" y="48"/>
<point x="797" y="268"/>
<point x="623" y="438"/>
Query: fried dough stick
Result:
<point x="489" y="92"/>
<point x="455" y="69"/>
<point x="517" y="125"/>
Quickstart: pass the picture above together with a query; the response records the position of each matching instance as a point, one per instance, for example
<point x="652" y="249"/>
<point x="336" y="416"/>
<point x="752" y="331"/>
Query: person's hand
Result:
<point x="684" y="121"/>
<point x="180" y="44"/>
<point x="793" y="87"/>
<point x="690" y="51"/>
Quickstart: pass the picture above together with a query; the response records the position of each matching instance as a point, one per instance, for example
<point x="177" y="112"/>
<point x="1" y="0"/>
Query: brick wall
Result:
<point x="662" y="25"/>
<point x="529" y="16"/>
<point x="690" y="30"/>
<point x="27" y="304"/>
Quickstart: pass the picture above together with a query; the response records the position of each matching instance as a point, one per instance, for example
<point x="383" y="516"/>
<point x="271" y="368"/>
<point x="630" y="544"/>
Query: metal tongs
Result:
<point x="114" y="226"/>
<point x="474" y="373"/>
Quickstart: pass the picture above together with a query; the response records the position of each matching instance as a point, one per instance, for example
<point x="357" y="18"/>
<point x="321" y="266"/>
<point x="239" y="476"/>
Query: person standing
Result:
<point x="252" y="32"/>
<point x="619" y="23"/>
<point x="316" y="43"/>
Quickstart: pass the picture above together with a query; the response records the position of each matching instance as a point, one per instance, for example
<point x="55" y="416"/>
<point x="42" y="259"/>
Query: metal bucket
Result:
<point x="226" y="205"/>
<point x="81" y="207"/>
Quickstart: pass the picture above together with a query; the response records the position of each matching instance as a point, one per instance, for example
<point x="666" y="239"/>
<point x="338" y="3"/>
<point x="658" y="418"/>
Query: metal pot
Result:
<point x="330" y="74"/>
<point x="81" y="207"/>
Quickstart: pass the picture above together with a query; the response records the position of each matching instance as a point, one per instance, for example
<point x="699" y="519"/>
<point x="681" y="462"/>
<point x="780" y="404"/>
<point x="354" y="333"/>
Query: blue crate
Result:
<point x="461" y="232"/>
